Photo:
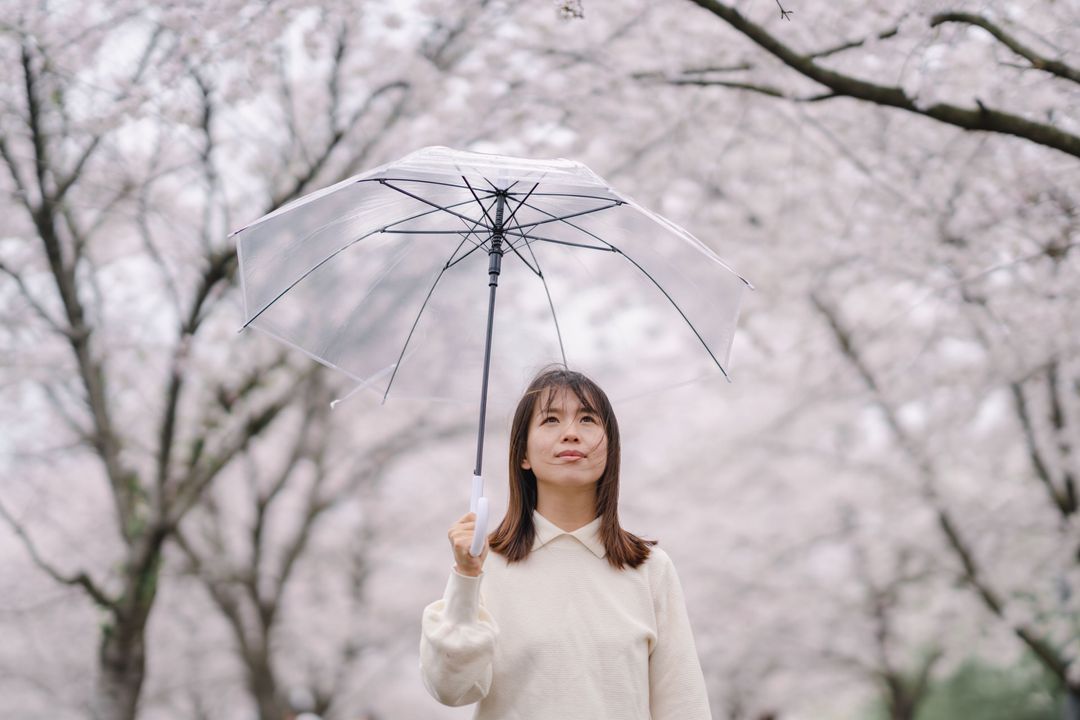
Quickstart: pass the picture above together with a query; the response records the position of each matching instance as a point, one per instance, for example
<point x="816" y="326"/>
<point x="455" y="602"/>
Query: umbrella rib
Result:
<point x="431" y="290"/>
<point x="564" y="218"/>
<point x="573" y="195"/>
<point x="539" y="238"/>
<point x="387" y="229"/>
<point x="424" y="232"/>
<point x="347" y="218"/>
<point x="414" y="180"/>
<point x="495" y="189"/>
<point x="535" y="270"/>
<point x="433" y="204"/>
<point x="676" y="306"/>
<point x="411" y="330"/>
<point x="593" y="235"/>
<point x="455" y="262"/>
<point x="418" y="215"/>
<point x="343" y="247"/>
<point x="554" y="318"/>
<point x="484" y="209"/>
<point x="527" y="195"/>
<point x="651" y="278"/>
<point x="313" y="269"/>
<point x="476" y="246"/>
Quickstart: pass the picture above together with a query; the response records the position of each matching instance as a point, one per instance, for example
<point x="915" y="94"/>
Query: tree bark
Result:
<point x="1071" y="707"/>
<point x="902" y="703"/>
<point x="263" y="686"/>
<point x="122" y="669"/>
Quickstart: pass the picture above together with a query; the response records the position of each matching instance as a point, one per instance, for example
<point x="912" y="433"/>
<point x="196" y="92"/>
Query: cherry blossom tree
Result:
<point x="131" y="141"/>
<point x="960" y="236"/>
<point x="887" y="487"/>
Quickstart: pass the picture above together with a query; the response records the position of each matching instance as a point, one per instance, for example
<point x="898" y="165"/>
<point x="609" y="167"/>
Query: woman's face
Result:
<point x="566" y="445"/>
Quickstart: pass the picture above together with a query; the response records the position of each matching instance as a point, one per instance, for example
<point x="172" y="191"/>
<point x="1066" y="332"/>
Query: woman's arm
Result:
<point x="676" y="684"/>
<point x="457" y="643"/>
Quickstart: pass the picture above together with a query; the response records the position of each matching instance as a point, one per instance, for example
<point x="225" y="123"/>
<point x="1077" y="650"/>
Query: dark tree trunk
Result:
<point x="122" y="653"/>
<point x="122" y="671"/>
<point x="1071" y="709"/>
<point x="264" y="687"/>
<point x="902" y="704"/>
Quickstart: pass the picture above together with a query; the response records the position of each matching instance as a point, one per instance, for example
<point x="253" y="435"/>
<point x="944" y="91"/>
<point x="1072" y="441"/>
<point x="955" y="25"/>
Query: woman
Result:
<point x="578" y="618"/>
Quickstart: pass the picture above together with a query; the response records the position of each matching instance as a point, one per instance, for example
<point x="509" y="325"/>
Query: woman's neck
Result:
<point x="568" y="508"/>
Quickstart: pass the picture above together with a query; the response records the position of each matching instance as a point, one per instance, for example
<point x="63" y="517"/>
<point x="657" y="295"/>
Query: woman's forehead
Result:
<point x="562" y="398"/>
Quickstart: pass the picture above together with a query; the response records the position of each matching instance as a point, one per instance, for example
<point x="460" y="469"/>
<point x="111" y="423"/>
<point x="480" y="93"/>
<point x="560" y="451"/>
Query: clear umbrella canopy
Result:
<point x="384" y="276"/>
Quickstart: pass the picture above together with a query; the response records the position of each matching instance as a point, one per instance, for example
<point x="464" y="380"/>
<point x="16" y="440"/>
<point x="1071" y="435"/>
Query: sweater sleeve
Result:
<point x="676" y="684"/>
<point x="457" y="643"/>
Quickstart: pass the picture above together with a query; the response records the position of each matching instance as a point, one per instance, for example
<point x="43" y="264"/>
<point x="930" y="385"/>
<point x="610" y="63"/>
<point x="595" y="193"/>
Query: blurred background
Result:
<point x="877" y="519"/>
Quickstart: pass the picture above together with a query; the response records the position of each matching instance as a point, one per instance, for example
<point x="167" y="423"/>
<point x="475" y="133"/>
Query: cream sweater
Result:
<point x="564" y="636"/>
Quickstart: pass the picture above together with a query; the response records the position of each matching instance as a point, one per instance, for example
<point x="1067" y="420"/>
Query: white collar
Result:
<point x="588" y="535"/>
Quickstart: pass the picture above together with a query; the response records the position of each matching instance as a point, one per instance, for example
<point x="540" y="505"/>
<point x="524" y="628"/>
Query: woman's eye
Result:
<point x="550" y="417"/>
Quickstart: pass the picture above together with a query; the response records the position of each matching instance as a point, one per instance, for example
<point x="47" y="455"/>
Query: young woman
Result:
<point x="578" y="619"/>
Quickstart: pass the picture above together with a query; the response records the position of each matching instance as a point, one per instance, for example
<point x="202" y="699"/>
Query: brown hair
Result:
<point x="514" y="537"/>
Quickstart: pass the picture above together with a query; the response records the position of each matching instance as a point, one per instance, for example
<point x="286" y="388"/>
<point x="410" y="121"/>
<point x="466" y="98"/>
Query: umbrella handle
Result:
<point x="479" y="505"/>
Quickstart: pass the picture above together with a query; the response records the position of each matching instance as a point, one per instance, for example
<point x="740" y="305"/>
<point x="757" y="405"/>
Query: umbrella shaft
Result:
<point x="487" y="363"/>
<point x="494" y="267"/>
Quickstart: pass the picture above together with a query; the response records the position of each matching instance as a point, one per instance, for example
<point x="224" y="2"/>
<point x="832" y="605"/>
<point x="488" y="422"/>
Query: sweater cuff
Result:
<point x="463" y="597"/>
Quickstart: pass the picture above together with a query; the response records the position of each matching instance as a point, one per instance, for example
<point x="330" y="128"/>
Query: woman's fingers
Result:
<point x="461" y="536"/>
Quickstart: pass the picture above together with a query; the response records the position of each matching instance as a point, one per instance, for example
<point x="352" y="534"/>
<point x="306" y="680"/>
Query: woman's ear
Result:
<point x="525" y="465"/>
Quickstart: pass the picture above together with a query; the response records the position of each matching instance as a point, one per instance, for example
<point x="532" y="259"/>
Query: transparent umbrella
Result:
<point x="391" y="278"/>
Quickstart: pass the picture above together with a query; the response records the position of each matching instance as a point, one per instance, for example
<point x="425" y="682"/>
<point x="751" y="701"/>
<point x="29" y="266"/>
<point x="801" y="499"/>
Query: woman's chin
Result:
<point x="568" y="482"/>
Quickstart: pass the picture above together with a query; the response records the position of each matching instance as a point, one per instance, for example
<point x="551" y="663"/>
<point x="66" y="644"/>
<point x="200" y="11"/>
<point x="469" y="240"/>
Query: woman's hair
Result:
<point x="514" y="537"/>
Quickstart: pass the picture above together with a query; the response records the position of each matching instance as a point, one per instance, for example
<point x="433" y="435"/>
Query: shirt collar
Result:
<point x="588" y="535"/>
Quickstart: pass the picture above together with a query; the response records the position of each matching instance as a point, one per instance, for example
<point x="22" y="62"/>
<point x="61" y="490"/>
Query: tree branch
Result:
<point x="78" y="579"/>
<point x="219" y="268"/>
<point x="13" y="170"/>
<point x="1047" y="653"/>
<point x="33" y="121"/>
<point x="1038" y="62"/>
<point x="142" y="222"/>
<point x="206" y="156"/>
<point x="83" y="436"/>
<point x="1061" y="431"/>
<point x="219" y="593"/>
<point x="883" y="35"/>
<point x="296" y="138"/>
<point x="188" y="493"/>
<point x="123" y="481"/>
<point x="65" y="183"/>
<point x="1042" y="471"/>
<point x="267" y="607"/>
<point x="983" y="118"/>
<point x="38" y="309"/>
<point x="302" y="181"/>
<point x="768" y="90"/>
<point x="227" y="398"/>
<point x="784" y="13"/>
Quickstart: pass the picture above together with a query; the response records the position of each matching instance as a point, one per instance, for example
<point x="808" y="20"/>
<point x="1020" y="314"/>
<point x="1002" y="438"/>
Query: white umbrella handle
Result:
<point x="479" y="505"/>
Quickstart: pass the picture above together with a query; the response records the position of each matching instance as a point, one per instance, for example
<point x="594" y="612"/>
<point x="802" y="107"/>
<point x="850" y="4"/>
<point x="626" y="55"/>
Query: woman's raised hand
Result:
<point x="461" y="536"/>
